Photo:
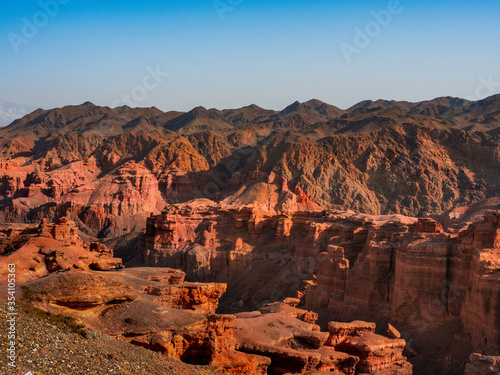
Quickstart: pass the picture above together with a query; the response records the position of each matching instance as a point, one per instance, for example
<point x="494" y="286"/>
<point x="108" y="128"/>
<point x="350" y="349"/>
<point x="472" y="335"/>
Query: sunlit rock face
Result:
<point x="354" y="266"/>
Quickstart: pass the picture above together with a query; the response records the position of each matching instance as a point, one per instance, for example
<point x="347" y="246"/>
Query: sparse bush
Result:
<point x="63" y="322"/>
<point x="30" y="295"/>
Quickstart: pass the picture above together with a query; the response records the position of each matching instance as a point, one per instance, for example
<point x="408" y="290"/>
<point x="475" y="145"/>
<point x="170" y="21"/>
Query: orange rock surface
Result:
<point x="409" y="271"/>
<point x="40" y="250"/>
<point x="280" y="338"/>
<point x="483" y="365"/>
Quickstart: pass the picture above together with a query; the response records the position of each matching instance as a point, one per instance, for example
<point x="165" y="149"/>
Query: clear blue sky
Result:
<point x="266" y="52"/>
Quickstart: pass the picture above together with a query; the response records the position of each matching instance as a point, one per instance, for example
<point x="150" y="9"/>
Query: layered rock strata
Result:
<point x="347" y="266"/>
<point x="296" y="345"/>
<point x="276" y="340"/>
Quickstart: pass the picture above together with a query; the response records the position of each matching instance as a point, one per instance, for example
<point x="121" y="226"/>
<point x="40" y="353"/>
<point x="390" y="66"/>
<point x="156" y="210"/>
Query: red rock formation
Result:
<point x="189" y="296"/>
<point x="295" y="347"/>
<point x="269" y="191"/>
<point x="64" y="230"/>
<point x="169" y="276"/>
<point x="39" y="251"/>
<point x="9" y="186"/>
<point x="378" y="355"/>
<point x="339" y="332"/>
<point x="8" y="164"/>
<point x="108" y="205"/>
<point x="393" y="268"/>
<point x="480" y="312"/>
<point x="280" y="337"/>
<point x="175" y="183"/>
<point x="419" y="277"/>
<point x="426" y="225"/>
<point x="288" y="308"/>
<point x="124" y="304"/>
<point x="483" y="365"/>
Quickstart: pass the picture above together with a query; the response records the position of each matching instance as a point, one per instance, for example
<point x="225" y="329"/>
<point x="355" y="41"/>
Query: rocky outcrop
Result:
<point x="483" y="365"/>
<point x="378" y="355"/>
<point x="64" y="230"/>
<point x="342" y="265"/>
<point x="339" y="332"/>
<point x="268" y="190"/>
<point x="188" y="296"/>
<point x="420" y="277"/>
<point x="295" y="346"/>
<point x="49" y="247"/>
<point x="121" y="304"/>
<point x="107" y="205"/>
<point x="287" y="307"/>
<point x="480" y="311"/>
<point x="9" y="186"/>
<point x="278" y="339"/>
<point x="173" y="182"/>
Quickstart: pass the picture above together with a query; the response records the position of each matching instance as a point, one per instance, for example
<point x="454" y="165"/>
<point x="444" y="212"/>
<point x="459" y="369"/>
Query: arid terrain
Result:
<point x="304" y="241"/>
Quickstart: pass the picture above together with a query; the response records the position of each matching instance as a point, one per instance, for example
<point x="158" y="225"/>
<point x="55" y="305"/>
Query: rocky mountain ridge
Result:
<point x="95" y="163"/>
<point x="384" y="212"/>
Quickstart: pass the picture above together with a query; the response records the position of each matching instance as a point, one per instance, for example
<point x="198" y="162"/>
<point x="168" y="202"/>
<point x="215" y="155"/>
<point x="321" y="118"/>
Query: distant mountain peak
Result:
<point x="198" y="111"/>
<point x="315" y="102"/>
<point x="313" y="110"/>
<point x="253" y="107"/>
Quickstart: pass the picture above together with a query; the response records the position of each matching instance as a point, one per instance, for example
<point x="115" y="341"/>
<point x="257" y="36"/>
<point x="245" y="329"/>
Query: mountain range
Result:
<point x="387" y="211"/>
<point x="377" y="157"/>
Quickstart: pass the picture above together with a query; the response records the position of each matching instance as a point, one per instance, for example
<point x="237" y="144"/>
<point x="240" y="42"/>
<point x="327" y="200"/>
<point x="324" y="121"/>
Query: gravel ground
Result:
<point x="47" y="346"/>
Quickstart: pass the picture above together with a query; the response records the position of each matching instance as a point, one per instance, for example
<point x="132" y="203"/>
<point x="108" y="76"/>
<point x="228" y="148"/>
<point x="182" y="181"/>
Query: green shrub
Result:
<point x="30" y="295"/>
<point x="63" y="322"/>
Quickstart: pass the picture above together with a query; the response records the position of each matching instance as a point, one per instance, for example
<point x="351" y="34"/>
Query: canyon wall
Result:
<point x="343" y="265"/>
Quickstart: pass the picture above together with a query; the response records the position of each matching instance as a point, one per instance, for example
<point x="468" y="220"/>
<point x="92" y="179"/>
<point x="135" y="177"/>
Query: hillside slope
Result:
<point x="108" y="168"/>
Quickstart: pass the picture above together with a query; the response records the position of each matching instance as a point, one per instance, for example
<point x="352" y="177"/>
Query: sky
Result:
<point x="177" y="55"/>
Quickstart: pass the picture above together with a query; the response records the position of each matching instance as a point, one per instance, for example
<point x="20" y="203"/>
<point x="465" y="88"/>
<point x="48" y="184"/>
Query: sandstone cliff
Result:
<point x="344" y="266"/>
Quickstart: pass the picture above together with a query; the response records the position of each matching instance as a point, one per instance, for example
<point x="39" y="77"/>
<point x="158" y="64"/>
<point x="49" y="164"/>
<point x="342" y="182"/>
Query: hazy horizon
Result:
<point x="230" y="108"/>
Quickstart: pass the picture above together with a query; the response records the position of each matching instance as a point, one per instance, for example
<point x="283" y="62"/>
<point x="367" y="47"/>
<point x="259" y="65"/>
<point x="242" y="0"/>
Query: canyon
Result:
<point x="344" y="265"/>
<point x="278" y="339"/>
<point x="307" y="240"/>
<point x="109" y="168"/>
